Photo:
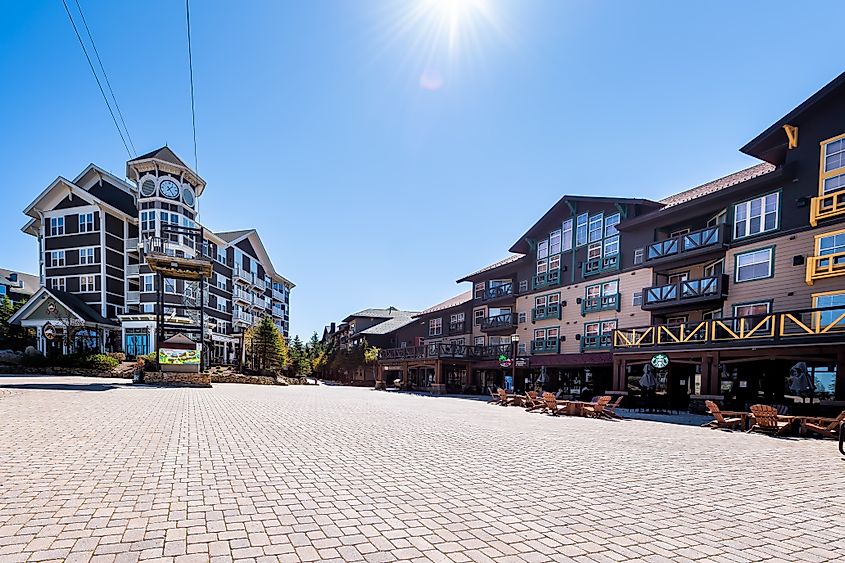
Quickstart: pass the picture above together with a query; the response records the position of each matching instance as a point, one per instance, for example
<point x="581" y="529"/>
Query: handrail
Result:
<point x="825" y="266"/>
<point x="826" y="206"/>
<point x="685" y="289"/>
<point x="504" y="320"/>
<point x="687" y="242"/>
<point x="498" y="291"/>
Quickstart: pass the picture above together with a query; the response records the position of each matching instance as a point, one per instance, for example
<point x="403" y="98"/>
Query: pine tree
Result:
<point x="267" y="347"/>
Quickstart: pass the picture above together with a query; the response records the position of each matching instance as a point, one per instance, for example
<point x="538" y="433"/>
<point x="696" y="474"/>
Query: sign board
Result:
<point x="51" y="308"/>
<point x="522" y="362"/>
<point x="660" y="361"/>
<point x="48" y="331"/>
<point x="173" y="357"/>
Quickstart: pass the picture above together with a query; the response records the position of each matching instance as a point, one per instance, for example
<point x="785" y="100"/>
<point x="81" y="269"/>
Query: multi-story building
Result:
<point x="722" y="288"/>
<point x="93" y="233"/>
<point x="17" y="286"/>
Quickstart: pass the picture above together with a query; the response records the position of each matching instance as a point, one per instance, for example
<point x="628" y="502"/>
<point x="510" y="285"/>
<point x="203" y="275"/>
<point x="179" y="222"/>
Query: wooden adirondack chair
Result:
<point x="825" y="427"/>
<point x="611" y="408"/>
<point x="550" y="404"/>
<point x="532" y="402"/>
<point x="733" y="420"/>
<point x="596" y="410"/>
<point x="766" y="419"/>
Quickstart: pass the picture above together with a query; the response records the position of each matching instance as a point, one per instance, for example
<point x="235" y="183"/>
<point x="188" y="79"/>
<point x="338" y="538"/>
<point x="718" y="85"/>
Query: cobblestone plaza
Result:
<point x="100" y="470"/>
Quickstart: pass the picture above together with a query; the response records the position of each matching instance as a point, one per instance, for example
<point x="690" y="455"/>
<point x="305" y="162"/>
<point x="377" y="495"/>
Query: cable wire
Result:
<point x="105" y="76"/>
<point x="97" y="78"/>
<point x="191" y="74"/>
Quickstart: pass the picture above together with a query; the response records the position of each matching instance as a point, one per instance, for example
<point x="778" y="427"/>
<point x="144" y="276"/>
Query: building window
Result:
<point x="221" y="281"/>
<point x="581" y="229"/>
<point x="479" y="341"/>
<point x="638" y="255"/>
<point x="830" y="244"/>
<point x="87" y="284"/>
<point x="719" y="218"/>
<point x="611" y="245"/>
<point x="477" y="316"/>
<point x="522" y="317"/>
<point x="716" y="268"/>
<point x="554" y="242"/>
<point x="750" y="315"/>
<point x="543" y="250"/>
<point x="637" y="299"/>
<point x="57" y="258"/>
<point x="456" y="318"/>
<point x="677" y="277"/>
<point x="57" y="283"/>
<point x="760" y="215"/>
<point x="57" y="226"/>
<point x="86" y="255"/>
<point x="833" y="176"/>
<point x="221" y="256"/>
<point x="596" y="227"/>
<point x="148" y="221"/>
<point x="542" y="267"/>
<point x="521" y="348"/>
<point x="554" y="263"/>
<point x="169" y="285"/>
<point x="86" y="222"/>
<point x="148" y="307"/>
<point x="148" y="283"/>
<point x="566" y="235"/>
<point x="710" y="315"/>
<point x="827" y="318"/>
<point x="676" y="320"/>
<point x="479" y="290"/>
<point x="594" y="251"/>
<point x="754" y="265"/>
<point x="435" y="327"/>
<point x="610" y="224"/>
<point x="523" y="286"/>
<point x="221" y="304"/>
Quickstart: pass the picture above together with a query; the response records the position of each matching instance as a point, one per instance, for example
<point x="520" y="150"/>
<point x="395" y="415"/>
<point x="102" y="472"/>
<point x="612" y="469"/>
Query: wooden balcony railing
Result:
<point x="598" y="266"/>
<point x="547" y="279"/>
<point x="544" y="312"/>
<point x="497" y="292"/>
<point x="596" y="342"/>
<point x="826" y="266"/>
<point x="693" y="243"/>
<point x="445" y="350"/>
<point x="600" y="303"/>
<point x="699" y="290"/>
<point x="499" y="322"/>
<point x="457" y="328"/>
<point x="545" y="346"/>
<point x="826" y="206"/>
<point x="806" y="326"/>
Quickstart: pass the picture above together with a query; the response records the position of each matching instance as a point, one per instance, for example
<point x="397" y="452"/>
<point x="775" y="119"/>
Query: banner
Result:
<point x="173" y="357"/>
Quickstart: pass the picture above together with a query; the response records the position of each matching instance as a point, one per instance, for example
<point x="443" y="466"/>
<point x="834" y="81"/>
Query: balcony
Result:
<point x="687" y="292"/>
<point x="596" y="342"/>
<point x="132" y="244"/>
<point x="278" y="295"/>
<point x="826" y="266"/>
<point x="242" y="318"/>
<point x="445" y="350"/>
<point x="457" y="328"/>
<point x="596" y="266"/>
<point x="601" y="303"/>
<point x="133" y="296"/>
<point x="545" y="312"/>
<point x="545" y="346"/>
<point x="239" y="294"/>
<point x="825" y="325"/>
<point x="133" y="269"/>
<point x="826" y="206"/>
<point x="498" y="292"/>
<point x="547" y="279"/>
<point x="690" y="245"/>
<point x="507" y="321"/>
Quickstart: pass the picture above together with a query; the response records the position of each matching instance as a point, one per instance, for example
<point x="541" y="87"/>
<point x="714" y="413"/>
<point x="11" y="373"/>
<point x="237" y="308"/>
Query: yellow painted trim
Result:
<point x="826" y="293"/>
<point x="791" y="135"/>
<point x="836" y="171"/>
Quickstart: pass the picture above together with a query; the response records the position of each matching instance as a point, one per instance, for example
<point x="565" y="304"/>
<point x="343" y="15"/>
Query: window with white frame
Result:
<point x="833" y="168"/>
<point x="220" y="280"/>
<point x="566" y="235"/>
<point x="57" y="226"/>
<point x="716" y="268"/>
<point x="554" y="262"/>
<point x="610" y="224"/>
<point x="221" y="255"/>
<point x="221" y="304"/>
<point x="479" y="341"/>
<point x="86" y="255"/>
<point x="86" y="222"/>
<point x="554" y="242"/>
<point x="751" y="310"/>
<point x="611" y="245"/>
<point x="595" y="230"/>
<point x="521" y="349"/>
<point x="435" y="327"/>
<point x="57" y="283"/>
<point x="522" y="317"/>
<point x="57" y="258"/>
<point x="718" y="219"/>
<point x="148" y="283"/>
<point x="478" y="316"/>
<point x="87" y="284"/>
<point x="594" y="251"/>
<point x="638" y="255"/>
<point x="637" y="299"/>
<point x="543" y="250"/>
<point x="456" y="318"/>
<point x="754" y="265"/>
<point x="676" y="320"/>
<point x="148" y="221"/>
<point x="710" y="315"/>
<point x="759" y="215"/>
<point x="542" y="266"/>
<point x="581" y="229"/>
<point x="832" y="316"/>
<point x="148" y="307"/>
<point x="830" y="244"/>
<point x="479" y="290"/>
<point x="169" y="285"/>
<point x="523" y="286"/>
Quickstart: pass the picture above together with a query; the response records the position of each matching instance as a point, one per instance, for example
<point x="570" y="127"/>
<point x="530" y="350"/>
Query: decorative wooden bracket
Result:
<point x="792" y="135"/>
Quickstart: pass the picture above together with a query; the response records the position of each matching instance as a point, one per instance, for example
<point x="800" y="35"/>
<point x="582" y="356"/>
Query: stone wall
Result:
<point x="84" y="372"/>
<point x="176" y="378"/>
<point x="249" y="379"/>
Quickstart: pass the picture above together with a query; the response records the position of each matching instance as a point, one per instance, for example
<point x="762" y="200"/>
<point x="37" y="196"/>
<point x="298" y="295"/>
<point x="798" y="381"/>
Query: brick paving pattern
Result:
<point x="102" y="471"/>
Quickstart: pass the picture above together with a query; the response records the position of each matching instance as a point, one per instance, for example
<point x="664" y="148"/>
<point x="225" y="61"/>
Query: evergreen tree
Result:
<point x="267" y="348"/>
<point x="300" y="365"/>
<point x="14" y="337"/>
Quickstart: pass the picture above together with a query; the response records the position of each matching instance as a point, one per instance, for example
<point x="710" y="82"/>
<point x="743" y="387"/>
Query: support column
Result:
<point x="470" y="381"/>
<point x="438" y="386"/>
<point x="405" y="374"/>
<point x="619" y="374"/>
<point x="380" y="377"/>
<point x="839" y="392"/>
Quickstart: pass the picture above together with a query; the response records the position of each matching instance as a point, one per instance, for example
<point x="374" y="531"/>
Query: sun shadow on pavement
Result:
<point x="61" y="386"/>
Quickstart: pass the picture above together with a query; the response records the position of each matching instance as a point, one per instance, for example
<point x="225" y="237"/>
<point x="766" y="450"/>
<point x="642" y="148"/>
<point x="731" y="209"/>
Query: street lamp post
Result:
<point x="514" y="343"/>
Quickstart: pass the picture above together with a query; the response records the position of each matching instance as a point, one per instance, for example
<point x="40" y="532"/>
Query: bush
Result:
<point x="119" y="356"/>
<point x="102" y="362"/>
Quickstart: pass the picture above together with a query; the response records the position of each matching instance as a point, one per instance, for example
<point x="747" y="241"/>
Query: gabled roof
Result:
<point x="561" y="208"/>
<point x="387" y="326"/>
<point x="234" y="237"/>
<point x="82" y="310"/>
<point x="162" y="153"/>
<point x="771" y="144"/>
<point x="379" y="314"/>
<point x="718" y="184"/>
<point x="504" y="262"/>
<point x="27" y="284"/>
<point x="449" y="303"/>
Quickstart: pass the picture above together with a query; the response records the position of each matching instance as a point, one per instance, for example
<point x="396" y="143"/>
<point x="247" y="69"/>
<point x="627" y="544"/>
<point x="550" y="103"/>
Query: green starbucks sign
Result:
<point x="660" y="361"/>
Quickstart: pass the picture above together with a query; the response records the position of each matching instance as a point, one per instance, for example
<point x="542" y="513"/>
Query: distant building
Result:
<point x="17" y="286"/>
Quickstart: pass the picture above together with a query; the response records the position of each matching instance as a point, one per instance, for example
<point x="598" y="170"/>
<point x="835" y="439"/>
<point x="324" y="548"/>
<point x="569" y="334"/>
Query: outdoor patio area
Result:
<point x="100" y="470"/>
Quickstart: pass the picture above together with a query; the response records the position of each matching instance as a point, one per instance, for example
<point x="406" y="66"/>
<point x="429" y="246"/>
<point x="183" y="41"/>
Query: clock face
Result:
<point x="188" y="196"/>
<point x="168" y="188"/>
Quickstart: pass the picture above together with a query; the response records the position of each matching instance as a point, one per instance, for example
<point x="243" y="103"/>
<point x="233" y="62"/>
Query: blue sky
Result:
<point x="381" y="161"/>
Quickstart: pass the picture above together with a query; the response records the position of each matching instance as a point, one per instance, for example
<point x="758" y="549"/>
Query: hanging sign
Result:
<point x="660" y="361"/>
<point x="504" y="361"/>
<point x="48" y="331"/>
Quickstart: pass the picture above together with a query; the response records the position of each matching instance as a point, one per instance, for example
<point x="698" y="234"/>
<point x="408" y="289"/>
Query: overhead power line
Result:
<point x="97" y="78"/>
<point x="105" y="76"/>
<point x="191" y="75"/>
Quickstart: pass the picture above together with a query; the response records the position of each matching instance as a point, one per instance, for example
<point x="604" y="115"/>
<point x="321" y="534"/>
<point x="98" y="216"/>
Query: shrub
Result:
<point x="102" y="362"/>
<point x="119" y="356"/>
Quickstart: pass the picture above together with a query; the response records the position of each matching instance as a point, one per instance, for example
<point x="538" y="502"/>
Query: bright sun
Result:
<point x="456" y="17"/>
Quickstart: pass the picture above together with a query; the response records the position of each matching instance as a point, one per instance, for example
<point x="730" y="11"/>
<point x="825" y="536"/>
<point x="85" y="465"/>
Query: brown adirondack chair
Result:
<point x="532" y="402"/>
<point x="611" y="408"/>
<point x="506" y="400"/>
<point x="825" y="427"/>
<point x="766" y="419"/>
<point x="550" y="404"/>
<point x="596" y="410"/>
<point x="733" y="420"/>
